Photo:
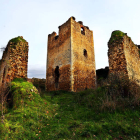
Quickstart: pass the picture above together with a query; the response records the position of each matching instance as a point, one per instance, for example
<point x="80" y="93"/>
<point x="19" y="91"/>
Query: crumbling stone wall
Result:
<point x="70" y="58"/>
<point x="14" y="61"/>
<point x="39" y="83"/>
<point x="124" y="56"/>
<point x="102" y="73"/>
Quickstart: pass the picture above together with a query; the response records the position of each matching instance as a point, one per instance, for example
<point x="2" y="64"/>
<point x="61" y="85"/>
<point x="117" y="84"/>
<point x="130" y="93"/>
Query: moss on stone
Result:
<point x="17" y="39"/>
<point x="116" y="35"/>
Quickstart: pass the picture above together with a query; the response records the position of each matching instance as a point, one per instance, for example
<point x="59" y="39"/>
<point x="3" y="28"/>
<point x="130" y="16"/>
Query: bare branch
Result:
<point x="2" y="49"/>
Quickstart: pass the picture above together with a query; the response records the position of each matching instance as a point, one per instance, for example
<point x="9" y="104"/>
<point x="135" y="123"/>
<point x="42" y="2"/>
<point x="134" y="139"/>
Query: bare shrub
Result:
<point x="120" y="92"/>
<point x="4" y="90"/>
<point x="2" y="49"/>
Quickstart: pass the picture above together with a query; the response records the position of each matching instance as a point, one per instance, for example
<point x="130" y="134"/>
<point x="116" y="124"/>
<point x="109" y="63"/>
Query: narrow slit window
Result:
<point x="85" y="53"/>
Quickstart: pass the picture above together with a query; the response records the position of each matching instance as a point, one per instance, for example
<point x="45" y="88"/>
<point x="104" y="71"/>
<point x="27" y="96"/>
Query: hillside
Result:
<point x="98" y="114"/>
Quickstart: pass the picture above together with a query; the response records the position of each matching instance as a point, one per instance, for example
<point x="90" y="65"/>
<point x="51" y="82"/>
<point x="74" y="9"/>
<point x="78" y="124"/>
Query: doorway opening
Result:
<point x="57" y="76"/>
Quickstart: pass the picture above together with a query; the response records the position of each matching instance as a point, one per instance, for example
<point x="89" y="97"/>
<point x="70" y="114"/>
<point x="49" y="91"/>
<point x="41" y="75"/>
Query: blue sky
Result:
<point x="35" y="19"/>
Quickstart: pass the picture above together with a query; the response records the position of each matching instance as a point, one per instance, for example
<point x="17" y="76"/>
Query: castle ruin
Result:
<point x="70" y="58"/>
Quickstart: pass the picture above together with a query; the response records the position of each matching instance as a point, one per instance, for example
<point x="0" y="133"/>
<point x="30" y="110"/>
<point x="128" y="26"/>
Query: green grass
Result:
<point x="65" y="115"/>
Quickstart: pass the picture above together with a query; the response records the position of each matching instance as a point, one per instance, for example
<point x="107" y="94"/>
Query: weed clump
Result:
<point x="120" y="92"/>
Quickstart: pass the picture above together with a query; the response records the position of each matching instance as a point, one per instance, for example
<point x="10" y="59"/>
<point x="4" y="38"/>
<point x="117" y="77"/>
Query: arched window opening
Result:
<point x="56" y="37"/>
<point x="85" y="53"/>
<point x="57" y="76"/>
<point x="82" y="31"/>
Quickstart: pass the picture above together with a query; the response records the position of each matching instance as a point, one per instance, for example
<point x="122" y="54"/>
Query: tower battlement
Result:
<point x="64" y="32"/>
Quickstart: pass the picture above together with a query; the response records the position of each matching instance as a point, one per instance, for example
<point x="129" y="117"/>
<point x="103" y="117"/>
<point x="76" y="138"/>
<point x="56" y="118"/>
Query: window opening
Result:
<point x="85" y="52"/>
<point x="73" y="18"/>
<point x="57" y="76"/>
<point x="82" y="31"/>
<point x="56" y="37"/>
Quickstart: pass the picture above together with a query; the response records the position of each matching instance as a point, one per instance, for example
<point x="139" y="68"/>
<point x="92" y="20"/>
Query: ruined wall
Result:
<point x="102" y="73"/>
<point x="82" y="57"/>
<point x="59" y="55"/>
<point x="39" y="83"/>
<point x="124" y="56"/>
<point x="66" y="50"/>
<point x="14" y="60"/>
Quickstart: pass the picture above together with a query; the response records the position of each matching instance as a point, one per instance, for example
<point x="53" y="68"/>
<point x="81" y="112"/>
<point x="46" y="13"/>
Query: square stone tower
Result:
<point x="70" y="58"/>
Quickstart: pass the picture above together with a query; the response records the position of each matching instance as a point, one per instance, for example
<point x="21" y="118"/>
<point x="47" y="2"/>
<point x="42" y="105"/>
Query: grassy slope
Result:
<point x="64" y="115"/>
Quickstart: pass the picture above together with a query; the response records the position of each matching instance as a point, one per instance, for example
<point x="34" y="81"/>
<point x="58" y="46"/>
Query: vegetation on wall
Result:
<point x="116" y="35"/>
<point x="17" y="39"/>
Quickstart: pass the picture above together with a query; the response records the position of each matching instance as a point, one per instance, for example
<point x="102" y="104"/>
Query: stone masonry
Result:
<point x="14" y="61"/>
<point x="124" y="56"/>
<point x="70" y="58"/>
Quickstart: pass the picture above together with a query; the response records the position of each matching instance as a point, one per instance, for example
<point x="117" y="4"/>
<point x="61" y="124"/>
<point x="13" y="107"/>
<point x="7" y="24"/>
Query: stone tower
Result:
<point x="14" y="61"/>
<point x="70" y="58"/>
